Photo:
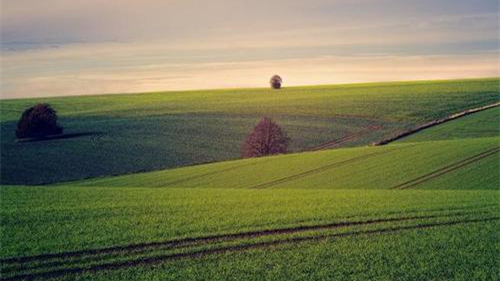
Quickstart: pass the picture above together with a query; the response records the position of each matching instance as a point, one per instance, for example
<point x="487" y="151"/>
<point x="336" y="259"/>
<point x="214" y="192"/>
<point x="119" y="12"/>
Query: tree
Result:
<point x="267" y="138"/>
<point x="38" y="121"/>
<point x="276" y="82"/>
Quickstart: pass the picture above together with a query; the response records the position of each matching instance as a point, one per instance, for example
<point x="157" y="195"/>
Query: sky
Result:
<point x="83" y="47"/>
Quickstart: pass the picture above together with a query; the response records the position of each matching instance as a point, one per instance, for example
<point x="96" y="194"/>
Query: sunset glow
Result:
<point x="91" y="47"/>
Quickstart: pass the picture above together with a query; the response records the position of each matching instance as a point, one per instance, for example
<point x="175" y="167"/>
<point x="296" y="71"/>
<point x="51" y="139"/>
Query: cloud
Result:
<point x="55" y="47"/>
<point x="184" y="20"/>
<point x="78" y="70"/>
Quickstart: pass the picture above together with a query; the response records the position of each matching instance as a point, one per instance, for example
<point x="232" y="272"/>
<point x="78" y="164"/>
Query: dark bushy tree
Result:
<point x="276" y="82"/>
<point x="38" y="121"/>
<point x="267" y="138"/>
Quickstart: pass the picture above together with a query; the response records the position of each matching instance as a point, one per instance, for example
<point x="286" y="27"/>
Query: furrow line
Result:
<point x="345" y="138"/>
<point x="50" y="260"/>
<point x="446" y="169"/>
<point x="435" y="123"/>
<point x="320" y="169"/>
<point x="230" y="249"/>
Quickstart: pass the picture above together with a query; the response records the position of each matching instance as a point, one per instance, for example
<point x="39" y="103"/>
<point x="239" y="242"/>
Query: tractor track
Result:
<point x="49" y="261"/>
<point x="323" y="168"/>
<point x="231" y="249"/>
<point x="435" y="122"/>
<point x="202" y="175"/>
<point x="447" y="169"/>
<point x="345" y="138"/>
<point x="207" y="239"/>
<point x="257" y="233"/>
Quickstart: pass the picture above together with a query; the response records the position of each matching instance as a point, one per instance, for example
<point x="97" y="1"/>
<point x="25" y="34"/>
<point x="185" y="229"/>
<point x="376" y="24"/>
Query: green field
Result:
<point x="153" y="131"/>
<point x="478" y="125"/>
<point x="442" y="254"/>
<point x="381" y="167"/>
<point x="41" y="220"/>
<point x="423" y="208"/>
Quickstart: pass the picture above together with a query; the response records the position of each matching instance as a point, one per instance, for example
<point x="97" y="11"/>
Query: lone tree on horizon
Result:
<point x="267" y="138"/>
<point x="38" y="121"/>
<point x="276" y="82"/>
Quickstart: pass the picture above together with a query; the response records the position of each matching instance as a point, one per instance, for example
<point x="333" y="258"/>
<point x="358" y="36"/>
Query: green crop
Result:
<point x="151" y="131"/>
<point x="381" y="167"/>
<point x="422" y="208"/>
<point x="481" y="124"/>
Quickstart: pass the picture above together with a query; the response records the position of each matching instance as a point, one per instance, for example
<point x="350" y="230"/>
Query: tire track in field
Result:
<point x="447" y="169"/>
<point x="178" y="242"/>
<point x="345" y="138"/>
<point x="47" y="261"/>
<point x="212" y="238"/>
<point x="436" y="122"/>
<point x="234" y="248"/>
<point x="219" y="171"/>
<point x="324" y="168"/>
<point x="205" y="174"/>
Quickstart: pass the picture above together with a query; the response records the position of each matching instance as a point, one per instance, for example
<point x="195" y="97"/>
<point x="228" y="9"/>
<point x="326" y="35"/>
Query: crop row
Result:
<point x="54" y="265"/>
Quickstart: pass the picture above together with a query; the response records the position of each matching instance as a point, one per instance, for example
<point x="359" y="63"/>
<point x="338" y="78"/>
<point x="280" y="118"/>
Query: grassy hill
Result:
<point x="424" y="207"/>
<point x="381" y="167"/>
<point x="478" y="125"/>
<point x="152" y="131"/>
<point x="464" y="152"/>
<point x="82" y="227"/>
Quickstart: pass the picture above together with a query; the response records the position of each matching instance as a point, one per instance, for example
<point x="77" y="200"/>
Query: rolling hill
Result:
<point x="380" y="167"/>
<point x="465" y="150"/>
<point x="154" y="131"/>
<point x="478" y="125"/>
<point x="425" y="206"/>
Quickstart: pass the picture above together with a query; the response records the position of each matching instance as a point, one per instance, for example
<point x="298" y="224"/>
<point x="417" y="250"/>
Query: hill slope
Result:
<point x="151" y="131"/>
<point x="478" y="125"/>
<point x="381" y="167"/>
<point x="362" y="212"/>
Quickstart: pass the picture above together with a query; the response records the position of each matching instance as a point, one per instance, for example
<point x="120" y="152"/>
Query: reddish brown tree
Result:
<point x="267" y="138"/>
<point x="38" y="121"/>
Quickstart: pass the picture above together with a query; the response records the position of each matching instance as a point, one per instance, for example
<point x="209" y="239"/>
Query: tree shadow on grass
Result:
<point x="58" y="137"/>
